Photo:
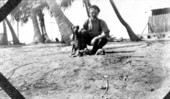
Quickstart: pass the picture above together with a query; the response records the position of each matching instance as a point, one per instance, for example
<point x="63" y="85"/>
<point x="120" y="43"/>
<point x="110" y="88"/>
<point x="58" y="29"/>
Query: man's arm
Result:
<point x="104" y="35"/>
<point x="105" y="29"/>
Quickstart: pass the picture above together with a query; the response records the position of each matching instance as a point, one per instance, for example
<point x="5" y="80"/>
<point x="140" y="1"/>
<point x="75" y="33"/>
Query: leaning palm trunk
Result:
<point x="131" y="34"/>
<point x="3" y="36"/>
<point x="63" y="22"/>
<point x="37" y="34"/>
<point x="7" y="8"/>
<point x="15" y="38"/>
<point x="87" y="5"/>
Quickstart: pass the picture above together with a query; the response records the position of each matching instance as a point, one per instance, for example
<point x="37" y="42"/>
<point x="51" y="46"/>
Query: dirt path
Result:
<point x="127" y="71"/>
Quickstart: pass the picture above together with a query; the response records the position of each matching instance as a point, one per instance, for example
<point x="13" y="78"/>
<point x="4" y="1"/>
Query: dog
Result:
<point x="78" y="45"/>
<point x="75" y="39"/>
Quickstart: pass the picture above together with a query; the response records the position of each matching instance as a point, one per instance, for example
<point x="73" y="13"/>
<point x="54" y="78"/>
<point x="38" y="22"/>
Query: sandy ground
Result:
<point x="129" y="70"/>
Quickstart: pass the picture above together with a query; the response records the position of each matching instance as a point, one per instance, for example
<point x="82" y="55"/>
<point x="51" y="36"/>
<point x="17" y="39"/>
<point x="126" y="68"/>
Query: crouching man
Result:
<point x="95" y="31"/>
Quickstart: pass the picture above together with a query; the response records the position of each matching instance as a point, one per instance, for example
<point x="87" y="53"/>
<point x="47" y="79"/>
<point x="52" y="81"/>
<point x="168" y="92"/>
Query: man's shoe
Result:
<point x="100" y="52"/>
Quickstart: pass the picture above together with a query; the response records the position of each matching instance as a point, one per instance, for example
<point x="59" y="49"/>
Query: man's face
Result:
<point x="93" y="13"/>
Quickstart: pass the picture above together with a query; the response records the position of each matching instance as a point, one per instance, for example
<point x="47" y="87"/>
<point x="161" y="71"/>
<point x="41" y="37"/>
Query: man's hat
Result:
<point x="95" y="7"/>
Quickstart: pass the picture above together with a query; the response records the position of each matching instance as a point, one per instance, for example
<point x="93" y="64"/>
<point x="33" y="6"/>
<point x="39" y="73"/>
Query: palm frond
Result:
<point x="66" y="3"/>
<point x="22" y="11"/>
<point x="2" y="2"/>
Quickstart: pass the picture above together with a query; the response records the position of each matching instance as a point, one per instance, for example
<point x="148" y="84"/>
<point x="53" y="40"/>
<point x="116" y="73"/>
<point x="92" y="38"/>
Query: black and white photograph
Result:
<point x="84" y="49"/>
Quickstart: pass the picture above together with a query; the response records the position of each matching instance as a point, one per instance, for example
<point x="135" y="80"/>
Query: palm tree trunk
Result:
<point x="42" y="26"/>
<point x="7" y="8"/>
<point x="87" y="5"/>
<point x="132" y="35"/>
<point x="63" y="22"/>
<point x="18" y="29"/>
<point x="15" y="38"/>
<point x="37" y="34"/>
<point x="3" y="36"/>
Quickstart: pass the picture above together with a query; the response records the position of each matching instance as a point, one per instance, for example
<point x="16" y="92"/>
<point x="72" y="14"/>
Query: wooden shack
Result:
<point x="159" y="22"/>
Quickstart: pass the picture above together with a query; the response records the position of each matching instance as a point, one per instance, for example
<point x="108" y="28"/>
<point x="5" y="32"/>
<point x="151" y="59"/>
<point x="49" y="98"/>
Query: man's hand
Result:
<point x="94" y="40"/>
<point x="83" y="31"/>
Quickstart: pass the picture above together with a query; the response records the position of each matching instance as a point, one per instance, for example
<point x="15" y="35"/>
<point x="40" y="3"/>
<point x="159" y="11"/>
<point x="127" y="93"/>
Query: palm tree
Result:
<point x="132" y="35"/>
<point x="15" y="38"/>
<point x="42" y="25"/>
<point x="7" y="8"/>
<point x="27" y="9"/>
<point x="39" y="7"/>
<point x="23" y="15"/>
<point x="23" y="12"/>
<point x="37" y="34"/>
<point x="4" y="38"/>
<point x="4" y="11"/>
<point x="63" y="22"/>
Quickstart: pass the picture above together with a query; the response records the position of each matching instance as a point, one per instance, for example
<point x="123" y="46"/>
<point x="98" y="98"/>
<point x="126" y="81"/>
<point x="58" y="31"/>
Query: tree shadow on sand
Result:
<point x="110" y="52"/>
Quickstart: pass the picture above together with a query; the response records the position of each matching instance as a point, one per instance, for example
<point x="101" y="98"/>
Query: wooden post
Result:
<point x="9" y="88"/>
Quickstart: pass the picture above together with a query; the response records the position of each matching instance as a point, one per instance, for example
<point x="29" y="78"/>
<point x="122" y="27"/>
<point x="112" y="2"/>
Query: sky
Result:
<point x="135" y="13"/>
